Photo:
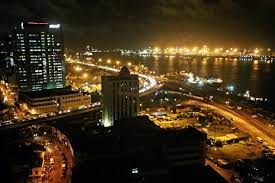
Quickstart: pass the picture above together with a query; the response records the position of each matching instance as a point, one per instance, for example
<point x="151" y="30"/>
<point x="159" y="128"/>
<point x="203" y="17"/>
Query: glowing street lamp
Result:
<point x="256" y="51"/>
<point x="117" y="62"/>
<point x="85" y="75"/>
<point x="217" y="50"/>
<point x="129" y="64"/>
<point x="109" y="61"/>
<point x="78" y="68"/>
<point x="231" y="88"/>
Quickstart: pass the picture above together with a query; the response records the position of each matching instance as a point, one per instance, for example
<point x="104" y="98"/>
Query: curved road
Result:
<point x="153" y="85"/>
<point x="243" y="122"/>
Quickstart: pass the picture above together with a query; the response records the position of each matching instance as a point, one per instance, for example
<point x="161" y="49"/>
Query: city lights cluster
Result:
<point x="204" y="51"/>
<point x="242" y="54"/>
<point x="191" y="78"/>
<point x="252" y="98"/>
<point x="9" y="96"/>
<point x="150" y="81"/>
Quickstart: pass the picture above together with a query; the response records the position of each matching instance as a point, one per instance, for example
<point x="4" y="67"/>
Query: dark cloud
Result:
<point x="124" y="23"/>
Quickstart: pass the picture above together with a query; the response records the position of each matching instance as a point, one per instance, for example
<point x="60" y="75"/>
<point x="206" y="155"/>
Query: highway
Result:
<point x="153" y="84"/>
<point x="255" y="126"/>
<point x="49" y="118"/>
<point x="243" y="122"/>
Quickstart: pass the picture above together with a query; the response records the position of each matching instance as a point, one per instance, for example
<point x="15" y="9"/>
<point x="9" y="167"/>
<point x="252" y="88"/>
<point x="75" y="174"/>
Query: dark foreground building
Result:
<point x="137" y="150"/>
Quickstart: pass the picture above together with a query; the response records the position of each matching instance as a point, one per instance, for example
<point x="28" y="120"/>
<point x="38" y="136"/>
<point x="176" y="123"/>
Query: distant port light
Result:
<point x="135" y="171"/>
<point x="231" y="88"/>
<point x="54" y="26"/>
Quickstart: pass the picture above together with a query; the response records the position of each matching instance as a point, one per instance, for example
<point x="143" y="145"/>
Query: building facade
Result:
<point x="7" y="67"/>
<point x="53" y="101"/>
<point x="120" y="96"/>
<point x="38" y="52"/>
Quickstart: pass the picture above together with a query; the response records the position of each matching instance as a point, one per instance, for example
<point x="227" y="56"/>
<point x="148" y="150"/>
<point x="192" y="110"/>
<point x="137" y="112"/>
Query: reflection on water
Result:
<point x="255" y="65"/>
<point x="256" y="76"/>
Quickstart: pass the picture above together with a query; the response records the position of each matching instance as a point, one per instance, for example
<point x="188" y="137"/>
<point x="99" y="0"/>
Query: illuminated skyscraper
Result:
<point x="6" y="62"/>
<point x="38" y="52"/>
<point x="120" y="96"/>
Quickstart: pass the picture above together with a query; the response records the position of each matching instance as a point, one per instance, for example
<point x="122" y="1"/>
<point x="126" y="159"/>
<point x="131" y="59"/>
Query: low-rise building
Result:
<point x="55" y="100"/>
<point x="231" y="138"/>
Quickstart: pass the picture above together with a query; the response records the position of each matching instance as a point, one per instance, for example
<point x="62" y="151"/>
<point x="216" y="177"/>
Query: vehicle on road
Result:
<point x="259" y="139"/>
<point x="52" y="161"/>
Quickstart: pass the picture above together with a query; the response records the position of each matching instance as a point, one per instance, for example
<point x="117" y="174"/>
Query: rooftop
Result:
<point x="49" y="93"/>
<point x="124" y="73"/>
<point x="136" y="126"/>
<point x="142" y="125"/>
<point x="182" y="135"/>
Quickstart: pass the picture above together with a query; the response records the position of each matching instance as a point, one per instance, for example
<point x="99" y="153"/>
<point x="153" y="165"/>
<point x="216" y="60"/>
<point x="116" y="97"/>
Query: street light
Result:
<point x="77" y="68"/>
<point x="85" y="75"/>
<point x="129" y="64"/>
<point x="256" y="51"/>
<point x="217" y="50"/>
<point x="117" y="62"/>
<point x="109" y="61"/>
<point x="156" y="50"/>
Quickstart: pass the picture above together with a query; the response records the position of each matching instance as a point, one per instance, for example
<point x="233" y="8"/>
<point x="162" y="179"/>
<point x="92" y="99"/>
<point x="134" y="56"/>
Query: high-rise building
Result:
<point x="120" y="96"/>
<point x="6" y="61"/>
<point x="38" y="52"/>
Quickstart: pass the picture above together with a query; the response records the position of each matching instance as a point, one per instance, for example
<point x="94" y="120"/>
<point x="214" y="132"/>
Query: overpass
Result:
<point x="145" y="90"/>
<point x="49" y="118"/>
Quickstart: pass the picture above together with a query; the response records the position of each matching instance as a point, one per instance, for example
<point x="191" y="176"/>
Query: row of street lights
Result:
<point x="109" y="61"/>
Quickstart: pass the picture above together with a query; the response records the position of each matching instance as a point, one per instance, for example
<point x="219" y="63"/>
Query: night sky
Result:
<point x="140" y="23"/>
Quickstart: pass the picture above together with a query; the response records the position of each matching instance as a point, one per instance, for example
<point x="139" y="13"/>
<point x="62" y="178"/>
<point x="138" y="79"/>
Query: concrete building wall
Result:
<point x="120" y="97"/>
<point x="57" y="103"/>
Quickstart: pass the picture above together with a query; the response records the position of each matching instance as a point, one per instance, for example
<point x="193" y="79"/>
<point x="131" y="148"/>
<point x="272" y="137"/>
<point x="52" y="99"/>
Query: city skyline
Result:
<point x="137" y="91"/>
<point x="120" y="24"/>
